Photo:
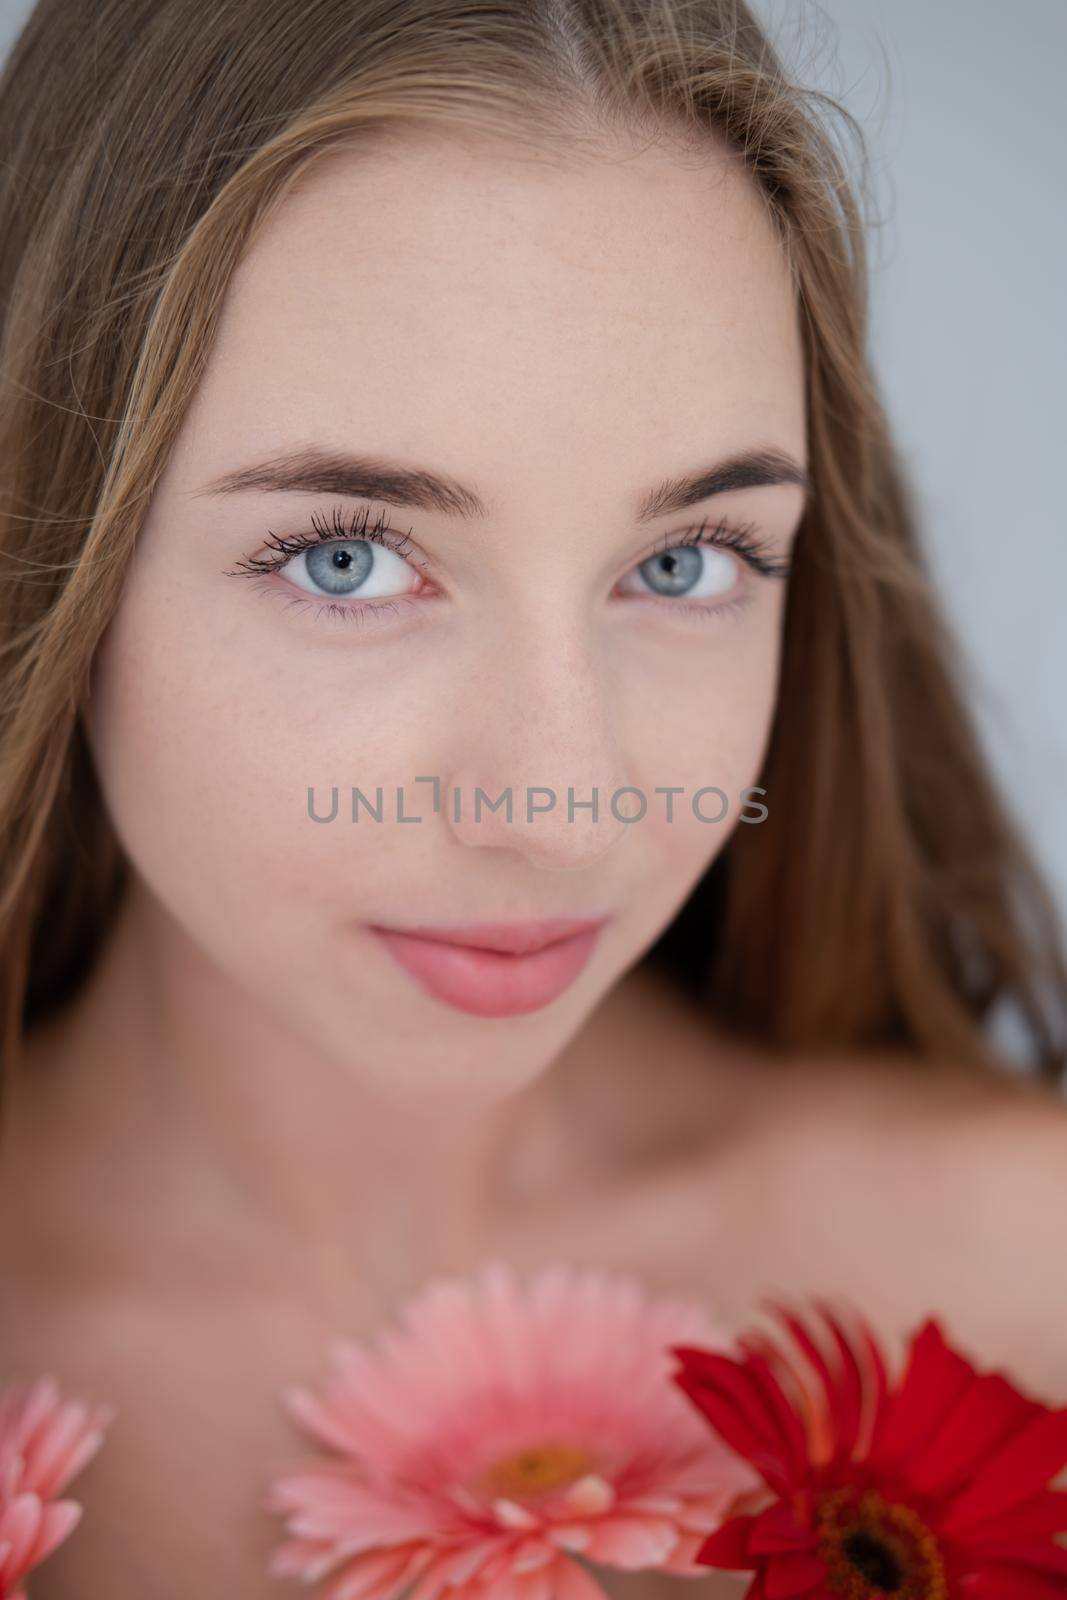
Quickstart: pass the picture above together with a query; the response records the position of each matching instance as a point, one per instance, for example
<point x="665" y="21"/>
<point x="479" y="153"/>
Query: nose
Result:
<point x="540" y="768"/>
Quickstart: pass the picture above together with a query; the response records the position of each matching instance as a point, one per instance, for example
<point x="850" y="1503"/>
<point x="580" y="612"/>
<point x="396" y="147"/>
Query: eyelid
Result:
<point x="287" y="547"/>
<point x="743" y="538"/>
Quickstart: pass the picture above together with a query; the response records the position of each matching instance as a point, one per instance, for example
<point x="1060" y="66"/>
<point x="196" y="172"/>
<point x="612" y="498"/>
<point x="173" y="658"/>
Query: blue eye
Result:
<point x="689" y="570"/>
<point x="340" y="568"/>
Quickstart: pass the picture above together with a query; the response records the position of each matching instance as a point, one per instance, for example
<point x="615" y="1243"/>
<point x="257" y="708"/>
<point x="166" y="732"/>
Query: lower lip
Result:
<point x="491" y="983"/>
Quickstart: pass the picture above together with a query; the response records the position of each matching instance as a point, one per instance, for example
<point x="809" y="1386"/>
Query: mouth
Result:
<point x="494" y="969"/>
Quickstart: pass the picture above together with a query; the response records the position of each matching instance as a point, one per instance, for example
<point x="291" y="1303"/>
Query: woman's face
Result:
<point x="480" y="384"/>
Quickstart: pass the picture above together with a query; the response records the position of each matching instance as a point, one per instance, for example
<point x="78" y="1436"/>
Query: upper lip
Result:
<point x="514" y="938"/>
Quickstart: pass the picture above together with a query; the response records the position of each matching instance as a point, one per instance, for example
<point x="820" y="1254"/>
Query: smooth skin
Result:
<point x="253" y="1130"/>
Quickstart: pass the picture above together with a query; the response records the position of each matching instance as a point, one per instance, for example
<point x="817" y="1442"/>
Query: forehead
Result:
<point x="450" y="296"/>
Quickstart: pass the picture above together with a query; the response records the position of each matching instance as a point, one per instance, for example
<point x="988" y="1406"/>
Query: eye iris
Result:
<point x="673" y="571"/>
<point x="340" y="568"/>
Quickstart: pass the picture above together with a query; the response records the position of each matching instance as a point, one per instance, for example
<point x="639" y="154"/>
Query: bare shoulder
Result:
<point x="908" y="1187"/>
<point x="991" y="1135"/>
<point x="929" y="1189"/>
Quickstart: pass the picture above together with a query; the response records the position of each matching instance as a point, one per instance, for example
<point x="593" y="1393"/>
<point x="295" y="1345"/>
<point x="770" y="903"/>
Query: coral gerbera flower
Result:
<point x="44" y="1442"/>
<point x="937" y="1488"/>
<point x="501" y="1437"/>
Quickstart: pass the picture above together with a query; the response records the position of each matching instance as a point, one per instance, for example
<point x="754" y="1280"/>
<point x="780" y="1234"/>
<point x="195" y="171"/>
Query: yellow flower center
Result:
<point x="537" y="1469"/>
<point x="873" y="1549"/>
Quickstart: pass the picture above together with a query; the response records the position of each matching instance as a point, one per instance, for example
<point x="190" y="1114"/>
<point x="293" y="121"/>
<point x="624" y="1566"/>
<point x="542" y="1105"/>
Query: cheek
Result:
<point x="705" y="728"/>
<point x="206" y="749"/>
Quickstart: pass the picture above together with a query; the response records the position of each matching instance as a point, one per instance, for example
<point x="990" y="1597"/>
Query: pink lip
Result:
<point x="495" y="969"/>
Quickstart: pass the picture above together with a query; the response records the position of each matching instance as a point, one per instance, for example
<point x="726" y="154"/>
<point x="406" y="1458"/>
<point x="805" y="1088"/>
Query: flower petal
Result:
<point x="1035" y="1555"/>
<point x="787" y="1576"/>
<point x="815" y="1358"/>
<point x="632" y="1542"/>
<point x="511" y="1515"/>
<point x="21" y="1525"/>
<point x="574" y="1536"/>
<point x="935" y="1377"/>
<point x="848" y="1388"/>
<point x="988" y="1411"/>
<point x="792" y="1436"/>
<point x="374" y="1577"/>
<point x="589" y="1496"/>
<point x="1045" y="1513"/>
<point x="1026" y="1464"/>
<point x="60" y="1519"/>
<point x="1008" y="1583"/>
<point x="778" y="1529"/>
<point x="727" y="1547"/>
<point x="730" y="1403"/>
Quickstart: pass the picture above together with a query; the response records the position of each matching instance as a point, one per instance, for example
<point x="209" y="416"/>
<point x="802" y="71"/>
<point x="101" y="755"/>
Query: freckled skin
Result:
<point x="255" y="1130"/>
<point x="556" y="337"/>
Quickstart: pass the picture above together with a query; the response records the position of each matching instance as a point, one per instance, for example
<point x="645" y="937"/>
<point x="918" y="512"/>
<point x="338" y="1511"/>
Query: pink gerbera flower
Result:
<point x="44" y="1442"/>
<point x="497" y="1434"/>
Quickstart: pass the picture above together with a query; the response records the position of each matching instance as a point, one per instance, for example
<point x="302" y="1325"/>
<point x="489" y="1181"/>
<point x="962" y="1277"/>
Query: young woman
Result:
<point x="404" y="405"/>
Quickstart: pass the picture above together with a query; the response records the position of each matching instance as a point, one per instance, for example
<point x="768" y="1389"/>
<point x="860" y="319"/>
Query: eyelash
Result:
<point x="741" y="538"/>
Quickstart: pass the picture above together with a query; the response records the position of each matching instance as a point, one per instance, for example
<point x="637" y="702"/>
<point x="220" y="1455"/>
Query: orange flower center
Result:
<point x="537" y="1469"/>
<point x="872" y="1549"/>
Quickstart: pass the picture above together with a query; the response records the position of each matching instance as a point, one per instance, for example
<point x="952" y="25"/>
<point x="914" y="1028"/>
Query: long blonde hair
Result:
<point x="887" y="900"/>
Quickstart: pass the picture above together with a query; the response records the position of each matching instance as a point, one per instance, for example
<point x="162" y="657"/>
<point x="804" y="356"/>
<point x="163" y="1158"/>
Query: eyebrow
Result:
<point x="313" y="470"/>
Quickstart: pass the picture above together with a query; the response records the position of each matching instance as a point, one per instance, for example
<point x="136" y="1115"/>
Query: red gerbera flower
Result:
<point x="937" y="1488"/>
